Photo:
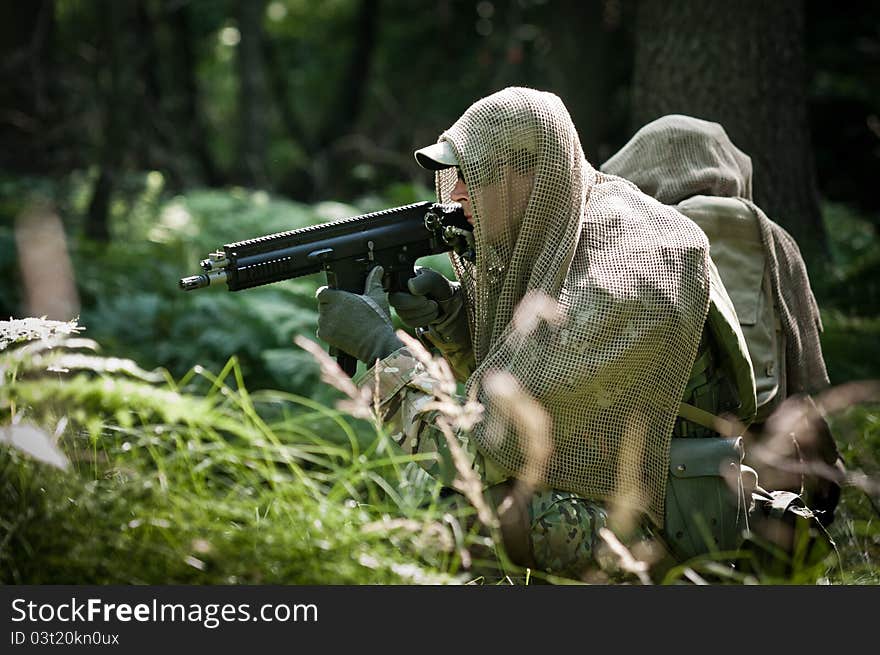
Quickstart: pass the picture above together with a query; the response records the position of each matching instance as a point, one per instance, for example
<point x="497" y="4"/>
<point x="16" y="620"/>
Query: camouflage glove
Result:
<point x="436" y="303"/>
<point x="359" y="325"/>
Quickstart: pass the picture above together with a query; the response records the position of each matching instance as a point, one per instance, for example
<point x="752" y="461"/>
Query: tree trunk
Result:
<point x="592" y="94"/>
<point x="27" y="73"/>
<point x="252" y="104"/>
<point x="114" y="109"/>
<point x="740" y="64"/>
<point x="187" y="114"/>
<point x="348" y="105"/>
<point x="98" y="216"/>
<point x="343" y="116"/>
<point x="149" y="147"/>
<point x="323" y="144"/>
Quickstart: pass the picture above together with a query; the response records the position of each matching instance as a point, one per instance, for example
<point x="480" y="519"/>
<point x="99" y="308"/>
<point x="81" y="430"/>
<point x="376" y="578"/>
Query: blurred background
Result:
<point x="138" y="135"/>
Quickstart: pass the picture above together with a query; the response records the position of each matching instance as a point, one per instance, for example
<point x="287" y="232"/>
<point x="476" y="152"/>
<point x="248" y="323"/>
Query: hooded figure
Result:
<point x="677" y="157"/>
<point x="630" y="281"/>
<point x="693" y="165"/>
<point x="623" y="283"/>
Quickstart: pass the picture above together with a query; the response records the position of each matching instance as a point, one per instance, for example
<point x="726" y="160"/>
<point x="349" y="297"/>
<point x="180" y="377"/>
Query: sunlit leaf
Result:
<point x="34" y="442"/>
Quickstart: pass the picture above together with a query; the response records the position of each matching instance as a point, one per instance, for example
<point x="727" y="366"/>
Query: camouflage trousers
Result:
<point x="561" y="533"/>
<point x="564" y="532"/>
<point x="543" y="529"/>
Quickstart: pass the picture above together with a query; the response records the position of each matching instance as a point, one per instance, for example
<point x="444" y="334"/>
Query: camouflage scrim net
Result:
<point x="630" y="280"/>
<point x="676" y="157"/>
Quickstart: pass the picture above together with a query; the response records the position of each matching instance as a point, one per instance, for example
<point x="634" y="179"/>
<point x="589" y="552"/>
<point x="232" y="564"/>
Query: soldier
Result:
<point x="635" y="321"/>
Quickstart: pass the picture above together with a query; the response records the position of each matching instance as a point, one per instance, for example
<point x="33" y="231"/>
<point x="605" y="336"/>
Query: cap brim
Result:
<point x="436" y="156"/>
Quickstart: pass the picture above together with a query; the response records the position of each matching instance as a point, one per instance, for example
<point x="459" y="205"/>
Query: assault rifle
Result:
<point x="346" y="250"/>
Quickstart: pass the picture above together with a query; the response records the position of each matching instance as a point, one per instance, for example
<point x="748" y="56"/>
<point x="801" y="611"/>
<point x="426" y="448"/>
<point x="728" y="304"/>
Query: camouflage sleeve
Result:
<point x="459" y="355"/>
<point x="408" y="410"/>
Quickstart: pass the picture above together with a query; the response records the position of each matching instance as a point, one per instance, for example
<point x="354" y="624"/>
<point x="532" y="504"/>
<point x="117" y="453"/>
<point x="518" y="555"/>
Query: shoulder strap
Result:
<point x="708" y="420"/>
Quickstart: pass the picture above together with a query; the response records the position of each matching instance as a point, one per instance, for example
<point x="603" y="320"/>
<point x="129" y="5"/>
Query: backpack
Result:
<point x="709" y="489"/>
<point x="737" y="249"/>
<point x="717" y="503"/>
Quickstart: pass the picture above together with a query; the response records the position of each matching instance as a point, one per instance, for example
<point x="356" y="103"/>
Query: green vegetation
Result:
<point x="131" y="476"/>
<point x="856" y="529"/>
<point x="172" y="437"/>
<point x="128" y="289"/>
<point x="154" y="483"/>
<point x="180" y="474"/>
<point x="184" y="467"/>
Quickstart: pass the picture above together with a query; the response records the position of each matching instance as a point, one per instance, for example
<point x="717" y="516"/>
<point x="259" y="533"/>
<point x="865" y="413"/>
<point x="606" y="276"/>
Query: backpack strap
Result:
<point x="708" y="420"/>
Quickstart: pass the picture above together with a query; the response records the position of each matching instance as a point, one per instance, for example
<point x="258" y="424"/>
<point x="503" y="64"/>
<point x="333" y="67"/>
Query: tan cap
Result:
<point x="436" y="156"/>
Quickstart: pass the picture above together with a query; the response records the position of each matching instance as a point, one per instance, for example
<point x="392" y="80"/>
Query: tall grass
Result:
<point x="199" y="481"/>
<point x="856" y="528"/>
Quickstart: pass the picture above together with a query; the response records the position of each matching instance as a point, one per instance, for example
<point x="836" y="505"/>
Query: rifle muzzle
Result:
<point x="203" y="280"/>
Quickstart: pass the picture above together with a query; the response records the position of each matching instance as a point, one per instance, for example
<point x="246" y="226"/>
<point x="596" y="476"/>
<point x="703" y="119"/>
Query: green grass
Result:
<point x="856" y="528"/>
<point x="199" y="481"/>
<point x="168" y="486"/>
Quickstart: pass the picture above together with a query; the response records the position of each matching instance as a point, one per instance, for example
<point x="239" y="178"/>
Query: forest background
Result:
<point x="199" y="444"/>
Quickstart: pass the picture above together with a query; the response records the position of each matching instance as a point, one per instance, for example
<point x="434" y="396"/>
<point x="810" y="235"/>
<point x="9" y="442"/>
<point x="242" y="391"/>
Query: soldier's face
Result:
<point x="461" y="195"/>
<point x="502" y="204"/>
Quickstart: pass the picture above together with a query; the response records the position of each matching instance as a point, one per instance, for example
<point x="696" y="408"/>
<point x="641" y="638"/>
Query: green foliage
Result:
<point x="170" y="485"/>
<point x="851" y="280"/>
<point x="857" y="525"/>
<point x="133" y="305"/>
<point x="848" y="292"/>
<point x="851" y="345"/>
<point x="197" y="480"/>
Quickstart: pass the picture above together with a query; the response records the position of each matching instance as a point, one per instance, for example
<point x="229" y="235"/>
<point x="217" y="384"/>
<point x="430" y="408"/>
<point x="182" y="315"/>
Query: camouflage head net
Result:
<point x="676" y="157"/>
<point x="628" y="278"/>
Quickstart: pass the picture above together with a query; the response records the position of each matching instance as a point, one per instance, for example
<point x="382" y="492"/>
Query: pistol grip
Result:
<point x="347" y="363"/>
